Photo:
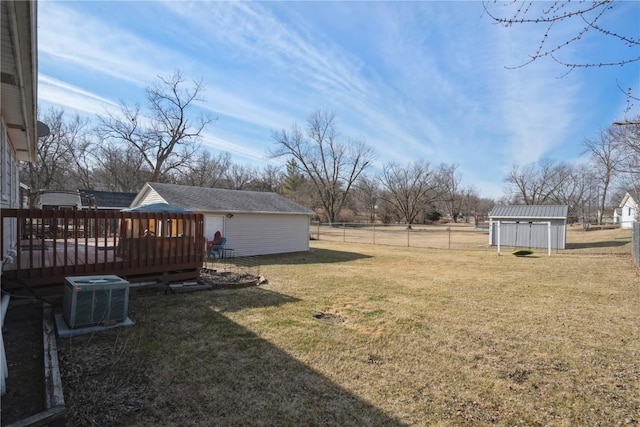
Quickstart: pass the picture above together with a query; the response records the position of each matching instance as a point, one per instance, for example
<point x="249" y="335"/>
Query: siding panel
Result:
<point x="151" y="197"/>
<point x="261" y="234"/>
<point x="528" y="234"/>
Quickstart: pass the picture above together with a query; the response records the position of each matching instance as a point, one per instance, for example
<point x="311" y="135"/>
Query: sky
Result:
<point x="431" y="81"/>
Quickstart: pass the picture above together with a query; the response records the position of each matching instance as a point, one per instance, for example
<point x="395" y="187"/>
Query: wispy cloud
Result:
<point x="323" y="72"/>
<point x="97" y="45"/>
<point x="81" y="101"/>
<point x="537" y="109"/>
<point x="417" y="80"/>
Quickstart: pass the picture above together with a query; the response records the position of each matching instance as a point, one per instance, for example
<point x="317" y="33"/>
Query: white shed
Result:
<point x="529" y="226"/>
<point x="254" y="222"/>
<point x="628" y="211"/>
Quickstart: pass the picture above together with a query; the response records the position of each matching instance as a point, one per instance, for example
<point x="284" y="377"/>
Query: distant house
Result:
<point x="58" y="199"/>
<point x="254" y="223"/>
<point x="626" y="214"/>
<point x="84" y="199"/>
<point x="105" y="200"/>
<point x="528" y="226"/>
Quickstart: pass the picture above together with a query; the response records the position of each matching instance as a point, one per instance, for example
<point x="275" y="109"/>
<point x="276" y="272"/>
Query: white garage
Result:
<point x="253" y="222"/>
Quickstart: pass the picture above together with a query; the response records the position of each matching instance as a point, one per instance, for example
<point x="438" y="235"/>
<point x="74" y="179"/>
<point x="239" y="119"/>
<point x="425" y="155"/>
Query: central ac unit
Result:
<point x="95" y="300"/>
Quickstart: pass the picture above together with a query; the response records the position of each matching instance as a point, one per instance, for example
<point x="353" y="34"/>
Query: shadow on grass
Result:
<point x="604" y="244"/>
<point x="314" y="256"/>
<point x="254" y="297"/>
<point x="206" y="369"/>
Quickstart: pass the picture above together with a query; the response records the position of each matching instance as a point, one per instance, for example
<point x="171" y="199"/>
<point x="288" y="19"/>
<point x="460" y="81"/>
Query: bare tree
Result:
<point x="453" y="197"/>
<point x="239" y="177"/>
<point x="122" y="168"/>
<point x="479" y="207"/>
<point x="205" y="170"/>
<point x="331" y="165"/>
<point x="165" y="135"/>
<point x="269" y="178"/>
<point x="535" y="184"/>
<point x="387" y="212"/>
<point x="590" y="17"/>
<point x="607" y="157"/>
<point x="53" y="168"/>
<point x="84" y="161"/>
<point x="628" y="135"/>
<point x="577" y="186"/>
<point x="409" y="189"/>
<point x="366" y="195"/>
<point x="466" y="199"/>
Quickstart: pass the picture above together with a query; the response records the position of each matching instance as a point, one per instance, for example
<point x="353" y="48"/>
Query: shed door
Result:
<point x="213" y="223"/>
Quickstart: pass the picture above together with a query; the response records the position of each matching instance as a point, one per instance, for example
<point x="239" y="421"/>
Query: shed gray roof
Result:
<point x="530" y="211"/>
<point x="201" y="199"/>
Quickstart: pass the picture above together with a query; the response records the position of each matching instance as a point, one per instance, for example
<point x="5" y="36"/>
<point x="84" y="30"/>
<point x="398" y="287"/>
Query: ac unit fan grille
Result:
<point x="90" y="301"/>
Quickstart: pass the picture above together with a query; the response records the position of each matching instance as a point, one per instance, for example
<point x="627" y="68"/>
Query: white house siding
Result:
<point x="151" y="197"/>
<point x="213" y="223"/>
<point x="628" y="212"/>
<point x="260" y="234"/>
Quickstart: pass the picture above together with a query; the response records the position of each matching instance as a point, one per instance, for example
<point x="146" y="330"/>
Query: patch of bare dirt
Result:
<point x="228" y="279"/>
<point x="105" y="376"/>
<point x="328" y="317"/>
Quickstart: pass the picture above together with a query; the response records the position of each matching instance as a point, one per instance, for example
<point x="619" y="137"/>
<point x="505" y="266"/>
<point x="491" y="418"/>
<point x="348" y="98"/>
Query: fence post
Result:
<point x="344" y="232"/>
<point x="549" y="237"/>
<point x="449" y="230"/>
<point x="318" y="230"/>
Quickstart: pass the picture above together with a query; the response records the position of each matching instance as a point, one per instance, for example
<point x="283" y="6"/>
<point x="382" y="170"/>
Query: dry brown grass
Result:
<point x="417" y="337"/>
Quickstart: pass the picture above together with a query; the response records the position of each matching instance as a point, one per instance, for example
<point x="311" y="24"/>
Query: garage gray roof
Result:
<point x="201" y="199"/>
<point x="530" y="211"/>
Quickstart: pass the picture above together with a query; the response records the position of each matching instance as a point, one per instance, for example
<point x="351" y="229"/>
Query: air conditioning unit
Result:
<point x="95" y="300"/>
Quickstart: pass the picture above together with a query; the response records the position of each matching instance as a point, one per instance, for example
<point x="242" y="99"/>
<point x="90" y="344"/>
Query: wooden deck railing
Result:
<point x="48" y="245"/>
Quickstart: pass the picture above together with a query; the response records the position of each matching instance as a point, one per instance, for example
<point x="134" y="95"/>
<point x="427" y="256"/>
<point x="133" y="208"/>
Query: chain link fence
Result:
<point x="447" y="236"/>
<point x="463" y="236"/>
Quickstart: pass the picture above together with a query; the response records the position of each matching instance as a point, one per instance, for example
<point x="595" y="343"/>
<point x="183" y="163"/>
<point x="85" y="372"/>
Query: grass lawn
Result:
<point x="361" y="334"/>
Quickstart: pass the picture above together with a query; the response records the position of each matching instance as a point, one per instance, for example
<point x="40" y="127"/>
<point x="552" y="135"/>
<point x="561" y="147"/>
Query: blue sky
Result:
<point x="416" y="80"/>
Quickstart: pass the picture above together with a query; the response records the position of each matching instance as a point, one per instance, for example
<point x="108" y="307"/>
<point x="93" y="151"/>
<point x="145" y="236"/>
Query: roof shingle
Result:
<point x="107" y="199"/>
<point x="202" y="199"/>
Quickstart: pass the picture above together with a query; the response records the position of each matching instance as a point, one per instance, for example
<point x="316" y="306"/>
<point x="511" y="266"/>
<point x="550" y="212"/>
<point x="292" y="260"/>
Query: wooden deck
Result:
<point x="49" y="253"/>
<point x="134" y="245"/>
